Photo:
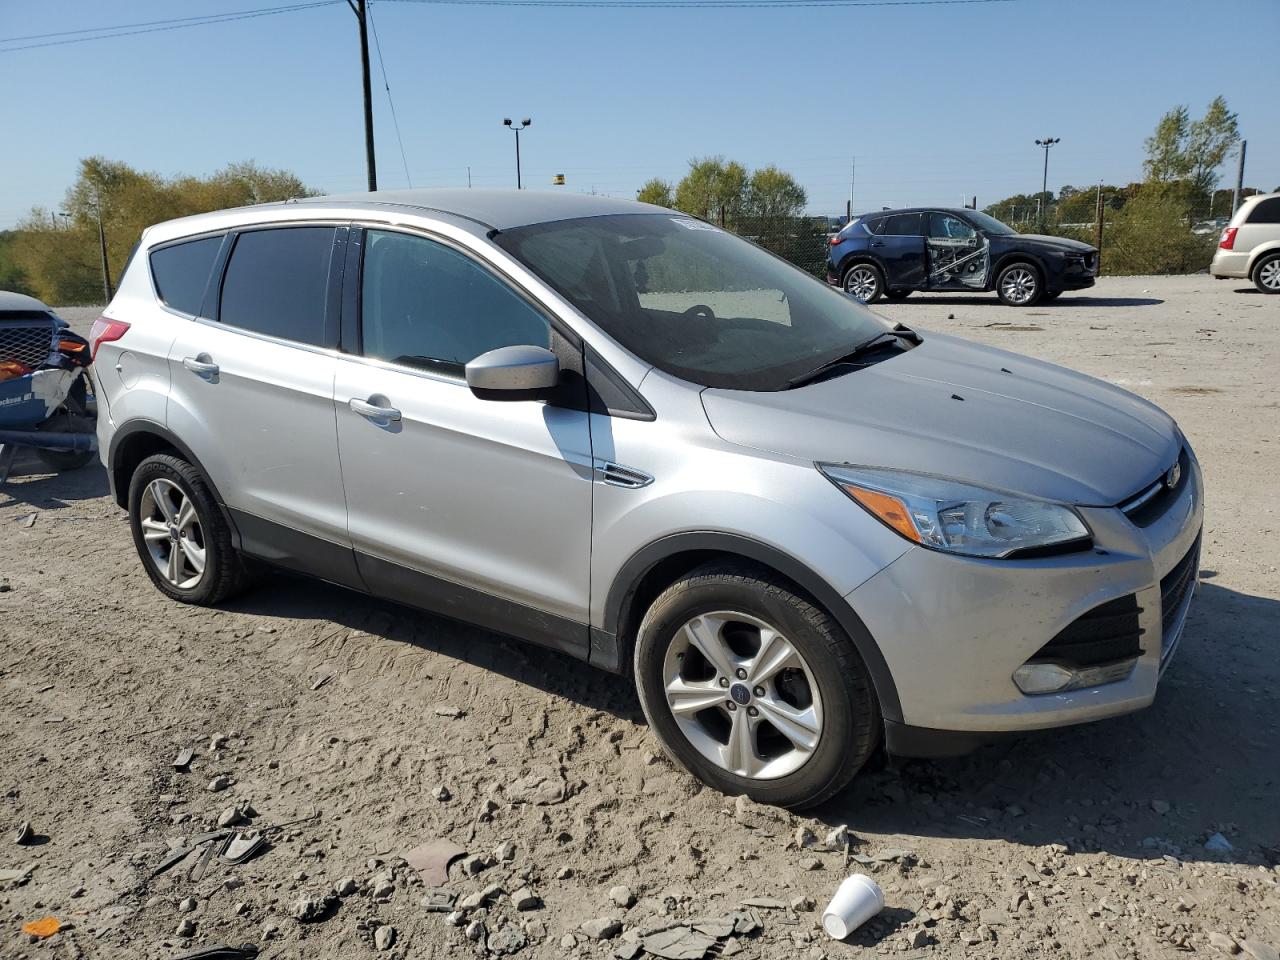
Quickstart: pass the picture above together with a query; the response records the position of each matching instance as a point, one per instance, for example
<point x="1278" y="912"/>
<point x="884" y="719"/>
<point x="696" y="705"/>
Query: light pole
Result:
<point x="1046" y="143"/>
<point x="506" y="122"/>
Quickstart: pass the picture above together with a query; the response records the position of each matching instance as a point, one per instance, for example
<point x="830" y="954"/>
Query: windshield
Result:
<point x="991" y="224"/>
<point x="695" y="301"/>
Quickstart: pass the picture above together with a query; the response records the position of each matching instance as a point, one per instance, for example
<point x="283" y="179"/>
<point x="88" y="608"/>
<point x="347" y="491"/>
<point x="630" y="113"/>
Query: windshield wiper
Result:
<point x="900" y="335"/>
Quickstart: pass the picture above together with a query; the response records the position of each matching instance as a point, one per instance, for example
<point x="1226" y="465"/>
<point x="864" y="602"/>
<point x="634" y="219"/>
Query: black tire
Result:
<point x="1270" y="266"/>
<point x="850" y="711"/>
<point x="865" y="277"/>
<point x="63" y="460"/>
<point x="1020" y="284"/>
<point x="65" y="422"/>
<point x="224" y="572"/>
<point x="899" y="294"/>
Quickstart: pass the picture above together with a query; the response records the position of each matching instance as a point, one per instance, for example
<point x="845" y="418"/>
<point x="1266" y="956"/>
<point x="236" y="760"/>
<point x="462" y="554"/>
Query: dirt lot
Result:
<point x="393" y="729"/>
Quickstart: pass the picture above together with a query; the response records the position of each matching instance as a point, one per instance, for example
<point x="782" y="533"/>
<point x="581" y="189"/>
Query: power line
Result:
<point x="157" y="26"/>
<point x="702" y="4"/>
<point x="377" y="45"/>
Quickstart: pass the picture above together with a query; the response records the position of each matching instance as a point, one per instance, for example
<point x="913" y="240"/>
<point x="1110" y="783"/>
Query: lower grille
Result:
<point x="1174" y="587"/>
<point x="1105" y="633"/>
<point x="28" y="342"/>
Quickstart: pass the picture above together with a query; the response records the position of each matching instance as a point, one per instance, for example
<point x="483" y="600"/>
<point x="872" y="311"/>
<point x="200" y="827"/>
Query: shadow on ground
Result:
<point x="1066" y="300"/>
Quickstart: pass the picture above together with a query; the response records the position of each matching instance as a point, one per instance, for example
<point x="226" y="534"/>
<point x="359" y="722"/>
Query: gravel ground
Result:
<point x="392" y="729"/>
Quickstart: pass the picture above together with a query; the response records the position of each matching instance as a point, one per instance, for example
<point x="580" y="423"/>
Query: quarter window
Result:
<point x="904" y="225"/>
<point x="423" y="304"/>
<point x="181" y="272"/>
<point x="1267" y="211"/>
<point x="277" y="283"/>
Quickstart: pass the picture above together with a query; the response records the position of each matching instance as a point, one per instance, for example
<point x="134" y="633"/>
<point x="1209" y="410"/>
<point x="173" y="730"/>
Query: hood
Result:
<point x="1054" y="243"/>
<point x="969" y="412"/>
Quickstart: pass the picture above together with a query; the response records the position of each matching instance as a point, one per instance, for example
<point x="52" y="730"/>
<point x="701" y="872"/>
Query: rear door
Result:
<point x="899" y="246"/>
<point x="252" y="394"/>
<point x="479" y="509"/>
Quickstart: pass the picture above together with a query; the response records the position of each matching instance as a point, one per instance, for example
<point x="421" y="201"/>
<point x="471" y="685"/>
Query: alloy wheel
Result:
<point x="1019" y="285"/>
<point x="173" y="534"/>
<point x="862" y="283"/>
<point x="1269" y="274"/>
<point x="742" y="695"/>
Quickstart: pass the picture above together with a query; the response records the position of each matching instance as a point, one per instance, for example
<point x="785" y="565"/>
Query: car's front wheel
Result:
<point x="753" y="688"/>
<point x="180" y="533"/>
<point x="863" y="281"/>
<point x="1266" y="275"/>
<point x="1019" y="285"/>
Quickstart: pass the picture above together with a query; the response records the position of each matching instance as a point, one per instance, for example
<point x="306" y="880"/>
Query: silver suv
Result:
<point x="1249" y="248"/>
<point x="627" y="435"/>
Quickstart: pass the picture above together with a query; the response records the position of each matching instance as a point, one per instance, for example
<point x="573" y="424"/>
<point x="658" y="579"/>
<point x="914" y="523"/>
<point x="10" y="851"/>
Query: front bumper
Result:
<point x="953" y="630"/>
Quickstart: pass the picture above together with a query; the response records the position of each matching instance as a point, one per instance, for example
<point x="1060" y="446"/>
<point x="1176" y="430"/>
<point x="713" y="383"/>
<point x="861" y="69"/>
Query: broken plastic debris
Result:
<point x="42" y="928"/>
<point x="183" y="759"/>
<point x="246" y="951"/>
<point x="432" y="860"/>
<point x="8" y="875"/>
<point x="240" y="847"/>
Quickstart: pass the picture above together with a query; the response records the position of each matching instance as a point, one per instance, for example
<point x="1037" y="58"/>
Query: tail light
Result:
<point x="1228" y="240"/>
<point x="105" y="330"/>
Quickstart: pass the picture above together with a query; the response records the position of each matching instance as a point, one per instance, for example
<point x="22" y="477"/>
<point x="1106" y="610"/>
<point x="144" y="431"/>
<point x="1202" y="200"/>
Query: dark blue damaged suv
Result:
<point x="895" y="252"/>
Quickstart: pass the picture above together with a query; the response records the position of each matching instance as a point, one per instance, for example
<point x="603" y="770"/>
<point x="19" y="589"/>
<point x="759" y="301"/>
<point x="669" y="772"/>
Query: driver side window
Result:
<point x="423" y="304"/>
<point x="944" y="226"/>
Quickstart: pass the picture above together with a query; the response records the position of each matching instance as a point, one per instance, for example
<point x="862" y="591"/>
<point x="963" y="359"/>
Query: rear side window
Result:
<point x="181" y="272"/>
<point x="904" y="225"/>
<point x="1266" y="211"/>
<point x="277" y="283"/>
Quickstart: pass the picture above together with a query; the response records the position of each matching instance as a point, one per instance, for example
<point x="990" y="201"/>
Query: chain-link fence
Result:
<point x="801" y="240"/>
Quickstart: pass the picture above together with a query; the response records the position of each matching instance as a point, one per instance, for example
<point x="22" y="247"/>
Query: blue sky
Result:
<point x="936" y="102"/>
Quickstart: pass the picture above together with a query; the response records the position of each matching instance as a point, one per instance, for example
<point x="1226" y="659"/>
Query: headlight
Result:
<point x="958" y="517"/>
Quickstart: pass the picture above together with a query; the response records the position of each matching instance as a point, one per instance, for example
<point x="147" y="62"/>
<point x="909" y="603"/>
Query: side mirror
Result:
<point x="522" y="372"/>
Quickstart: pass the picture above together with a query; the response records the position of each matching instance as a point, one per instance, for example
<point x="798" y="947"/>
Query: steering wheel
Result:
<point x="700" y="310"/>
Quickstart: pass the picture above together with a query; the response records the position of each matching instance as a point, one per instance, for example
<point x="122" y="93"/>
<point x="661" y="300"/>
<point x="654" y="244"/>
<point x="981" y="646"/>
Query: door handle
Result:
<point x="374" y="410"/>
<point x="877" y="243"/>
<point x="201" y="366"/>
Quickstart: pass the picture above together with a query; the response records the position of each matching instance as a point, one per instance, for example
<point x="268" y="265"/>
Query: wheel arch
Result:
<point x="1019" y="256"/>
<point x="655" y="567"/>
<point x="136" y="440"/>
<point x="860" y="256"/>
<point x="1260" y="253"/>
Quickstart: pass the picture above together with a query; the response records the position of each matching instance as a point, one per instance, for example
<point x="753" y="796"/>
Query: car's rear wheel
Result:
<point x="181" y="535"/>
<point x="1019" y="285"/>
<point x="753" y="688"/>
<point x="898" y="294"/>
<point x="863" y="281"/>
<point x="1266" y="275"/>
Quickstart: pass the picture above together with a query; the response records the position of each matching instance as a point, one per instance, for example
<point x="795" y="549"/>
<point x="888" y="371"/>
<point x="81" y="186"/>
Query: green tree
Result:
<point x="773" y="195"/>
<point x="1192" y="150"/>
<point x="657" y="191"/>
<point x="713" y="189"/>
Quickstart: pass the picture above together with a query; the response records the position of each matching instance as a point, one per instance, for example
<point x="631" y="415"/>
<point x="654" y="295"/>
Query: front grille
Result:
<point x="1149" y="504"/>
<point x="1105" y="633"/>
<point x="1174" y="586"/>
<point x="29" y="342"/>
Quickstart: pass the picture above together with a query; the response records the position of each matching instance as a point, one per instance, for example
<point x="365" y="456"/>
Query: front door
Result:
<point x="959" y="255"/>
<point x="899" y="246"/>
<point x="479" y="509"/>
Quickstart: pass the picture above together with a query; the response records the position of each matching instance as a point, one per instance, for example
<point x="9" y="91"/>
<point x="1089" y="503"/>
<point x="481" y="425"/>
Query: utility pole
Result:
<point x="1097" y="239"/>
<point x="1235" y="200"/>
<point x="468" y="177"/>
<point x="1046" y="143"/>
<point x="102" y="248"/>
<point x="853" y="180"/>
<point x="358" y="8"/>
